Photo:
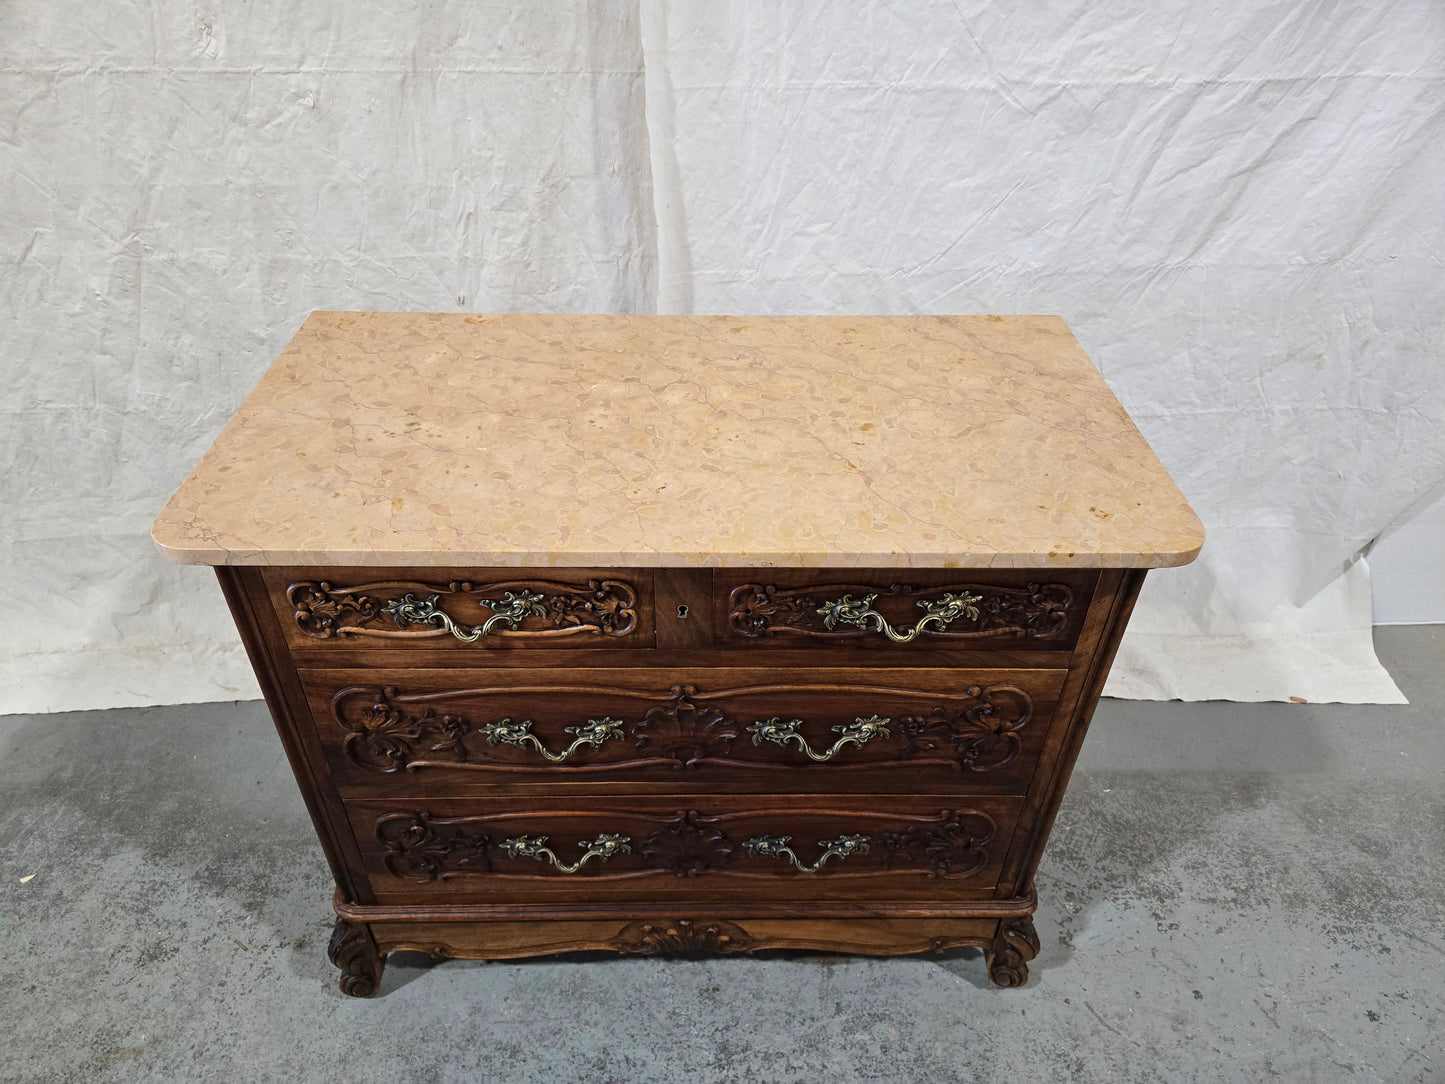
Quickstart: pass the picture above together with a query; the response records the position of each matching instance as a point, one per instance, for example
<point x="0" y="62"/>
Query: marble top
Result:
<point x="383" y="438"/>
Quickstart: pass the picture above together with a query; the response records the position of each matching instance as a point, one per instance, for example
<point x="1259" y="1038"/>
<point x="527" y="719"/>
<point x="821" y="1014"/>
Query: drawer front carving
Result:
<point x="862" y="848"/>
<point x="395" y="731"/>
<point x="893" y="609"/>
<point x="466" y="609"/>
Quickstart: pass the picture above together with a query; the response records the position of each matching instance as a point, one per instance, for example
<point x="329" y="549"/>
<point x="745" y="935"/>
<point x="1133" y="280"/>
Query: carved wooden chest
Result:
<point x="680" y="634"/>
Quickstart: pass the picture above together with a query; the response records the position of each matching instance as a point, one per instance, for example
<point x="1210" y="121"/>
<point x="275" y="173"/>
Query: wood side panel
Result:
<point x="1091" y="635"/>
<point x="246" y="596"/>
<point x="438" y="732"/>
<point x="1126" y="595"/>
<point x="1074" y="705"/>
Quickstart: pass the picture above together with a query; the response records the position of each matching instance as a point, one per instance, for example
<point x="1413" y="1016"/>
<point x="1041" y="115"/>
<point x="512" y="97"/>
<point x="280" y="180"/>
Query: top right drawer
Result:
<point x="901" y="609"/>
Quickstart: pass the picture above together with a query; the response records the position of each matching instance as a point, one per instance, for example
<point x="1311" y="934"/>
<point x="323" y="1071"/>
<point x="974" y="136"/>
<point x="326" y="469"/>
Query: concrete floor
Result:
<point x="1232" y="892"/>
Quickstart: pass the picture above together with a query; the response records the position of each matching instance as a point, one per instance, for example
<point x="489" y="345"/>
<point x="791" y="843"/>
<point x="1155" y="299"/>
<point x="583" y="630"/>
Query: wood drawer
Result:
<point x="452" y="731"/>
<point x="713" y="847"/>
<point x="898" y="610"/>
<point x="463" y="609"/>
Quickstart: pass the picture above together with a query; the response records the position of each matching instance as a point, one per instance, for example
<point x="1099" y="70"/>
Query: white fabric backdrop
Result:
<point x="1236" y="207"/>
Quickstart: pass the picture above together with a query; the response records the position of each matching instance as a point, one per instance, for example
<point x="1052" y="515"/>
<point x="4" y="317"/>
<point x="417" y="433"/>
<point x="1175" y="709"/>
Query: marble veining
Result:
<point x="532" y="440"/>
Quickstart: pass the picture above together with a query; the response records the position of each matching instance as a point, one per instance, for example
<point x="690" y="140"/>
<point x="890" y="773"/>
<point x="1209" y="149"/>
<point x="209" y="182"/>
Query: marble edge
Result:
<point x="183" y="554"/>
<point x="719" y="316"/>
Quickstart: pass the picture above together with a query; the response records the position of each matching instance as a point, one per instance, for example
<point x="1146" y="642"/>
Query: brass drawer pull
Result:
<point x="858" y="732"/>
<point x="602" y="848"/>
<point x="512" y="608"/>
<point x="593" y="733"/>
<point x="937" y="613"/>
<point x="777" y="847"/>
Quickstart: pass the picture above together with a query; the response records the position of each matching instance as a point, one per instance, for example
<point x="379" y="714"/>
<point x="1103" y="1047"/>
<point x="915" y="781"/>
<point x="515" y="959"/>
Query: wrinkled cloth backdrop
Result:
<point x="1237" y="209"/>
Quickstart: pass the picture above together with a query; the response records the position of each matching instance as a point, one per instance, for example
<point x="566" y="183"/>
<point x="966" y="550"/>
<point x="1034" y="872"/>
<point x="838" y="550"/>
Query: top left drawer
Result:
<point x="467" y="609"/>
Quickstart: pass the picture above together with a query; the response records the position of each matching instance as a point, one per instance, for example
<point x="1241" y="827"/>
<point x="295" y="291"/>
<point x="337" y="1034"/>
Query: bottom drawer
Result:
<point x="704" y="847"/>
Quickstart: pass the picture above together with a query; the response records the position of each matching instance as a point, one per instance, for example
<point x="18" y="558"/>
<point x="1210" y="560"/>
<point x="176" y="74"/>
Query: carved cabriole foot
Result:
<point x="1015" y="944"/>
<point x="353" y="950"/>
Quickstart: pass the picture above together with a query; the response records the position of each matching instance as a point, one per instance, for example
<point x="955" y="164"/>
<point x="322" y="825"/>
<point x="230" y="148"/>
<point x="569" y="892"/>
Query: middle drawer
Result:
<point x="435" y="732"/>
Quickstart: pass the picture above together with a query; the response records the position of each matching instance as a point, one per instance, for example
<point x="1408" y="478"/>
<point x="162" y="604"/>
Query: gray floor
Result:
<point x="1232" y="892"/>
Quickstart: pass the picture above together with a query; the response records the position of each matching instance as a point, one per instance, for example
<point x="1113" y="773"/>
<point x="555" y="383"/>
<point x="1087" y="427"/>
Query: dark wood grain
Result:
<point x="359" y="949"/>
<point x="680" y="847"/>
<point x="553" y="911"/>
<point x="266" y="648"/>
<point x="578" y="609"/>
<point x="1091" y="677"/>
<point x="684" y="605"/>
<point x="444" y="731"/>
<point x="684" y="932"/>
<point x="350" y="656"/>
<point x="1072" y="703"/>
<point x="407" y="752"/>
<point x="767" y="609"/>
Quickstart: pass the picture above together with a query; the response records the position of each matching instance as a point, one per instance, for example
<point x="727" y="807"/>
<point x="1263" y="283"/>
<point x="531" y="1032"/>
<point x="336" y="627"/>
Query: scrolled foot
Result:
<point x="354" y="952"/>
<point x="1015" y="944"/>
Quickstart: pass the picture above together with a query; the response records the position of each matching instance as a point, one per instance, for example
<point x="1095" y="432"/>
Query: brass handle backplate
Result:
<point x="602" y="848"/>
<point x="858" y="732"/>
<point x="593" y="733"/>
<point x="937" y="614"/>
<point x="511" y="608"/>
<point x="777" y="847"/>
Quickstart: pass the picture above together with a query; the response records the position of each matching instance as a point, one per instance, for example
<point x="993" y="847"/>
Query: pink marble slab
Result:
<point x="913" y="441"/>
